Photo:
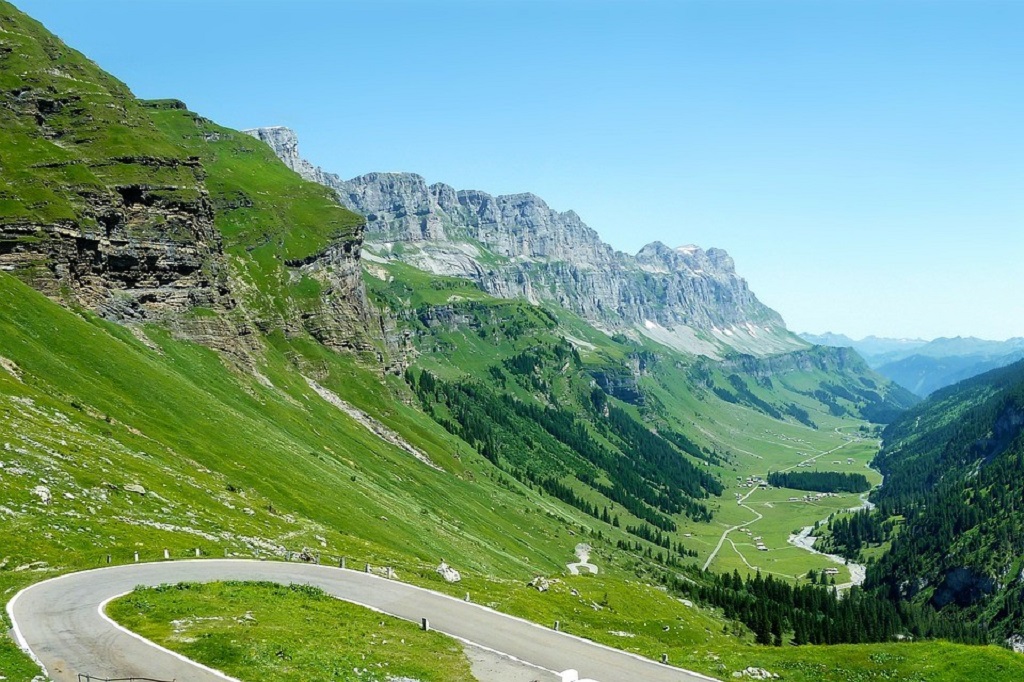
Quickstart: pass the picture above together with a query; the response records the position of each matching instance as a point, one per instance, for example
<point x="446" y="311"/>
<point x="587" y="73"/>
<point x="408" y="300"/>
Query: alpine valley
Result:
<point x="210" y="347"/>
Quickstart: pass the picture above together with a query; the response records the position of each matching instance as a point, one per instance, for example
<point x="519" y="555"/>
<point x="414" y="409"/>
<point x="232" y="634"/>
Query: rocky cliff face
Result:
<point x="132" y="252"/>
<point x="285" y="144"/>
<point x="517" y="246"/>
<point x="96" y="208"/>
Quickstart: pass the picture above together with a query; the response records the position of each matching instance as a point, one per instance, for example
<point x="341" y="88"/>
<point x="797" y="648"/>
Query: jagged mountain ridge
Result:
<point x="517" y="246"/>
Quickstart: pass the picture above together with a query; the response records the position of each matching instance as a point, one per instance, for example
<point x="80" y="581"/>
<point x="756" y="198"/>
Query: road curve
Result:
<point x="59" y="621"/>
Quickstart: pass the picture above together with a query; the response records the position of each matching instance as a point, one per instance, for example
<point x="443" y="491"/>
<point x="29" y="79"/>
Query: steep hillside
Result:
<point x="517" y="246"/>
<point x="135" y="210"/>
<point x="953" y="469"/>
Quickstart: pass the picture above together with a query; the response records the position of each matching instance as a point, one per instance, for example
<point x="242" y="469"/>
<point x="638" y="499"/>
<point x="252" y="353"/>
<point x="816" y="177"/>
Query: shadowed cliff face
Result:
<point x="517" y="246"/>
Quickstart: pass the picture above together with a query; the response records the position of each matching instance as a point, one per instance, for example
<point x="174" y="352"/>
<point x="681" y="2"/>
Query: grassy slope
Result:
<point x="72" y="134"/>
<point x="78" y="371"/>
<point x="249" y="631"/>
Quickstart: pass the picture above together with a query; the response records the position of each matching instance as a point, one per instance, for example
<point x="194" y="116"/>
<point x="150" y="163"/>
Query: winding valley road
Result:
<point x="758" y="515"/>
<point x="61" y="622"/>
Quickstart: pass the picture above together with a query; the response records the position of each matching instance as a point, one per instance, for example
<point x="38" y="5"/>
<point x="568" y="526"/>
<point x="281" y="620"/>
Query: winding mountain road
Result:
<point x="62" y="624"/>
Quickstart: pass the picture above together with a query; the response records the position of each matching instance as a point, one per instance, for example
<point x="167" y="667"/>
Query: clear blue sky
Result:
<point x="862" y="161"/>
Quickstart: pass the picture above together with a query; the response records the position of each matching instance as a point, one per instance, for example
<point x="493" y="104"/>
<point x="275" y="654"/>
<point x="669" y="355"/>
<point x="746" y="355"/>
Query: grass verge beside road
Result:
<point x="258" y="631"/>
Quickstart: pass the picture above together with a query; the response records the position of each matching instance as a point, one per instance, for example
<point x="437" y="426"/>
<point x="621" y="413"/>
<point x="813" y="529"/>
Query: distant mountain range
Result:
<point x="926" y="366"/>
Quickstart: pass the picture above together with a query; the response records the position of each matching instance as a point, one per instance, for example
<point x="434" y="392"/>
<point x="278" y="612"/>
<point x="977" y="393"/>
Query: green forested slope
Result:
<point x="953" y="469"/>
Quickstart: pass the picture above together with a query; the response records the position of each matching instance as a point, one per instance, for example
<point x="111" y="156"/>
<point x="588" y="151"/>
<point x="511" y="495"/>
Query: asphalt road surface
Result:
<point x="60" y="621"/>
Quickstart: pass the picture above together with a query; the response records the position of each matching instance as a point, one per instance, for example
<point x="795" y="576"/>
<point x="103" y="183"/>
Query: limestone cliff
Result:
<point x="286" y="145"/>
<point x="517" y="246"/>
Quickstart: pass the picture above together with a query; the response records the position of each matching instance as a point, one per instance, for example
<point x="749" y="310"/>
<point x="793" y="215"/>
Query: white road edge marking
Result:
<point x="446" y="634"/>
<point x="20" y="638"/>
<point x="527" y="622"/>
<point x="103" y="614"/>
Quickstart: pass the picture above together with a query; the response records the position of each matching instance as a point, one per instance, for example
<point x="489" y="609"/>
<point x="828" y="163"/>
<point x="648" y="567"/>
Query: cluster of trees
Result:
<point x="959" y="534"/>
<point x="868" y="402"/>
<point x="850" y="533"/>
<point x="830" y="400"/>
<point x="677" y="547"/>
<point x="659" y="538"/>
<point x="820" y="481"/>
<point x="777" y="611"/>
<point x="689" y="447"/>
<point x="532" y="360"/>
<point x="800" y="414"/>
<point x="542" y="444"/>
<point x="747" y="397"/>
<point x="656" y="459"/>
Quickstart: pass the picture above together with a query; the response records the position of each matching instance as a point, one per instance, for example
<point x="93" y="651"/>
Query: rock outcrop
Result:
<point x="517" y="246"/>
<point x="286" y="145"/>
<point x="134" y="252"/>
<point x="97" y="209"/>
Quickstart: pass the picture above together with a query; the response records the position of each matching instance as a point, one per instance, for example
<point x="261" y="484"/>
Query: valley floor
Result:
<point x="762" y="518"/>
